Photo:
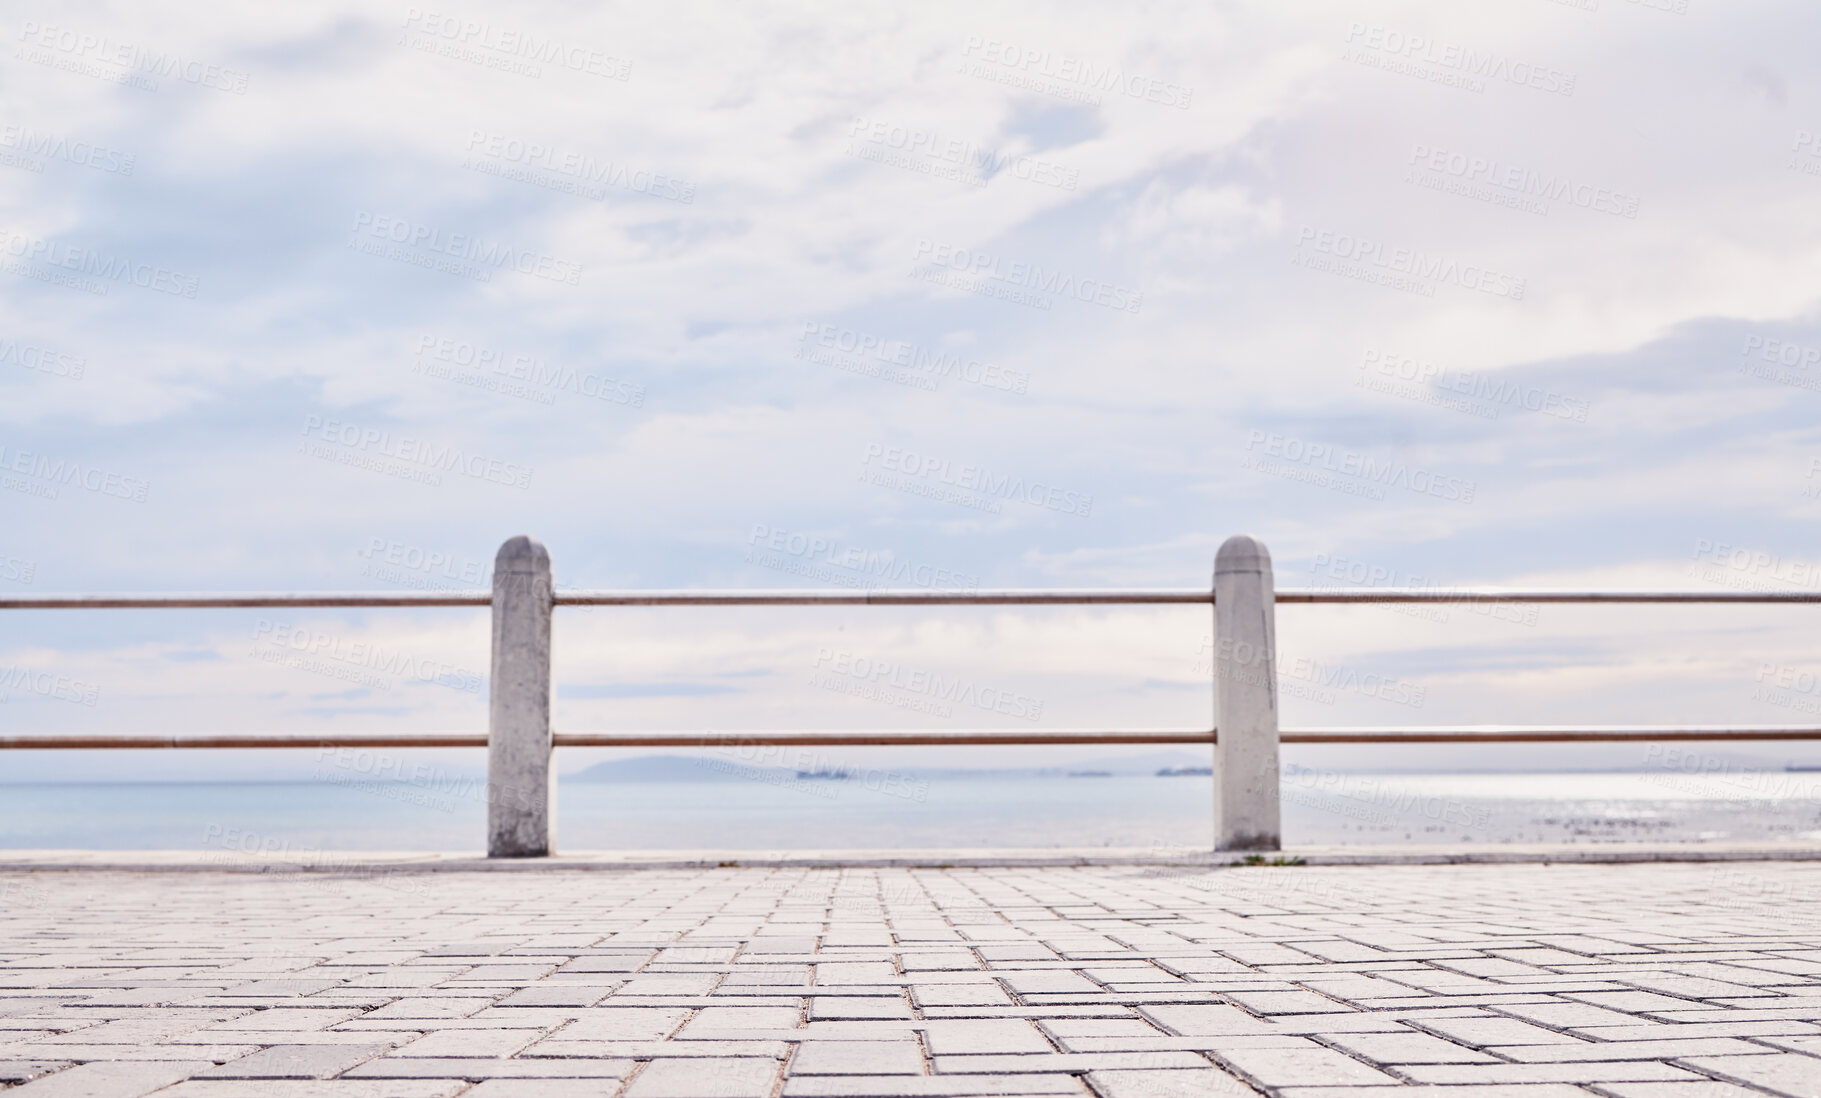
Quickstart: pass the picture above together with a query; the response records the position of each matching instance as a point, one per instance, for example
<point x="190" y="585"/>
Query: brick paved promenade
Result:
<point x="1632" y="981"/>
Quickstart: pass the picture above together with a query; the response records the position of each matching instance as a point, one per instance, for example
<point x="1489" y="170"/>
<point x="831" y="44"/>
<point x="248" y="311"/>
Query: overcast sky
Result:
<point x="320" y="296"/>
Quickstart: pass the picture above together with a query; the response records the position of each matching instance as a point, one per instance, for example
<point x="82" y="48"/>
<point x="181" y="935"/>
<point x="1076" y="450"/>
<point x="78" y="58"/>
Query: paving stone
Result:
<point x="1791" y="1073"/>
<point x="424" y="1067"/>
<point x="1407" y="1048"/>
<point x="1488" y="1090"/>
<point x="456" y="1043"/>
<point x="108" y="1080"/>
<point x="857" y="1058"/>
<point x="727" y="1078"/>
<point x="23" y="1071"/>
<point x="295" y="1062"/>
<point x="1483" y="1032"/>
<point x="1308" y="1066"/>
<point x="928" y="1086"/>
<point x="830" y="1008"/>
<point x="323" y="1088"/>
<point x="1201" y="1082"/>
<point x="1706" y="1088"/>
<point x="997" y="1035"/>
<point x="543" y="1088"/>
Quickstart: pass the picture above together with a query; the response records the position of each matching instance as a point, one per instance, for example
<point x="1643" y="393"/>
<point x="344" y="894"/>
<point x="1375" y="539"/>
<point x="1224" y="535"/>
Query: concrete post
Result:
<point x="521" y="806"/>
<point x="1245" y="667"/>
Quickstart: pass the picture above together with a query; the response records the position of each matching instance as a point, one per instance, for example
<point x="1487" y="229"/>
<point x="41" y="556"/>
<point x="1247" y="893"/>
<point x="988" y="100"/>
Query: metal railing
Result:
<point x="520" y="737"/>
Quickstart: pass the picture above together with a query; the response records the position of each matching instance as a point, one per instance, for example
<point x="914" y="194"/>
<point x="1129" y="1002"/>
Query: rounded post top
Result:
<point x="522" y="554"/>
<point x="1242" y="553"/>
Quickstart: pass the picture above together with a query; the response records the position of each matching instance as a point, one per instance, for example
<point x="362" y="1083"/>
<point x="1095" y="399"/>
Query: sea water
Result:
<point x="1163" y="813"/>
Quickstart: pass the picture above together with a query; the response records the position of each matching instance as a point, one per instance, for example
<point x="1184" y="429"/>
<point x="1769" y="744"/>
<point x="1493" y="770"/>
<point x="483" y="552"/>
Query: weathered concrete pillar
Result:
<point x="1245" y="669"/>
<point x="521" y="805"/>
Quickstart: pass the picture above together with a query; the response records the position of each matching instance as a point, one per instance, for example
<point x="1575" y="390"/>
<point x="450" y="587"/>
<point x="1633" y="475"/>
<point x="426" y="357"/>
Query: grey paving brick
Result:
<point x="543" y="1088"/>
<point x="457" y="1043"/>
<point x="24" y="1071"/>
<point x="1482" y="1032"/>
<point x="1407" y="1048"/>
<point x="321" y="1088"/>
<point x="830" y="1008"/>
<point x="1201" y="1082"/>
<point x="928" y="1086"/>
<point x="1307" y="1066"/>
<point x="424" y="1067"/>
<point x="1486" y="1090"/>
<point x="295" y="1062"/>
<point x="1787" y="1073"/>
<point x="857" y="1058"/>
<point x="724" y="1078"/>
<point x="108" y="1080"/>
<point x="947" y="1038"/>
<point x="1706" y="1088"/>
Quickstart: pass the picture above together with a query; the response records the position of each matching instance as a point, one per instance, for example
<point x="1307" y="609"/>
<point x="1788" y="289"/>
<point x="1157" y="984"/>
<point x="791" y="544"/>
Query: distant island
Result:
<point x="1186" y="772"/>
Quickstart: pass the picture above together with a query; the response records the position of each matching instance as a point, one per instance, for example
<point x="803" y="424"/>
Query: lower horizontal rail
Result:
<point x="1472" y="733"/>
<point x="888" y="597"/>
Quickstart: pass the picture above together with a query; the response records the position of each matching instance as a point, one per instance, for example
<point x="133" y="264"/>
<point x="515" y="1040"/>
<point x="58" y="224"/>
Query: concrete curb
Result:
<point x="364" y="862"/>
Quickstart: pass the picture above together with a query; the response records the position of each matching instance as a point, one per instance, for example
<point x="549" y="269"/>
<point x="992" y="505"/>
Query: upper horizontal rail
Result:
<point x="885" y="597"/>
<point x="1526" y="594"/>
<point x="243" y="600"/>
<point x="875" y="737"/>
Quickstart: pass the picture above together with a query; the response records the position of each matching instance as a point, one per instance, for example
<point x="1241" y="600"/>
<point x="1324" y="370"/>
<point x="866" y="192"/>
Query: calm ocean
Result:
<point x="1162" y="812"/>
